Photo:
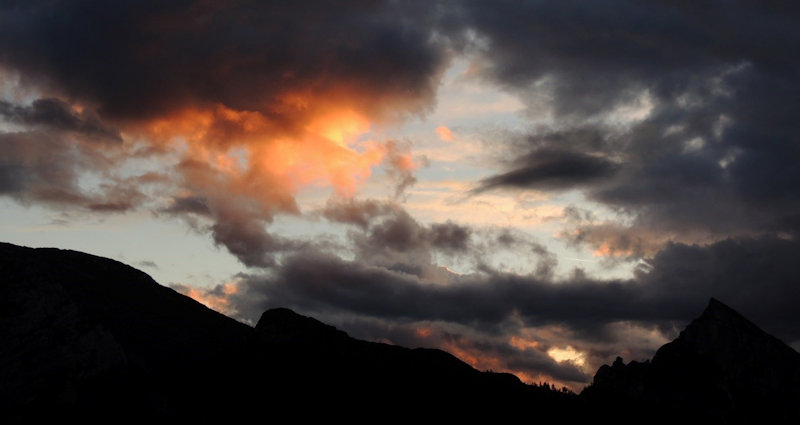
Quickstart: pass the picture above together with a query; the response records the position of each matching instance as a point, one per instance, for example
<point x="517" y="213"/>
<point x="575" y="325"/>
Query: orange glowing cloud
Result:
<point x="423" y="332"/>
<point x="522" y="344"/>
<point x="249" y="150"/>
<point x="482" y="360"/>
<point x="607" y="250"/>
<point x="611" y="241"/>
<point x="249" y="165"/>
<point x="445" y="134"/>
<point x="475" y="358"/>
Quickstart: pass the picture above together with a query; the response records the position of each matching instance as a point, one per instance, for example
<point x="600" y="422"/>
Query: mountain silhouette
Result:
<point x="721" y="369"/>
<point x="92" y="340"/>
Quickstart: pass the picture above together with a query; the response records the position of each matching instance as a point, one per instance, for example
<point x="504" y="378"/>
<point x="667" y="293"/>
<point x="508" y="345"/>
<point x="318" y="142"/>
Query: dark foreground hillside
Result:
<point x="90" y="339"/>
<point x="93" y="339"/>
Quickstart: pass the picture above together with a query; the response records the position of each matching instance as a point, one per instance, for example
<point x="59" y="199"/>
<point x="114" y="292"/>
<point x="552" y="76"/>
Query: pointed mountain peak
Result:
<point x="722" y="324"/>
<point x="717" y="308"/>
<point x="714" y="303"/>
<point x="721" y="369"/>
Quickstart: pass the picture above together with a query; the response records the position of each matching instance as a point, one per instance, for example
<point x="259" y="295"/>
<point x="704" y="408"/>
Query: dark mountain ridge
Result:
<point x="86" y="338"/>
<point x="91" y="339"/>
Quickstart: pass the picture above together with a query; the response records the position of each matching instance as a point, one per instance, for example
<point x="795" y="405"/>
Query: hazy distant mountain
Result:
<point x="721" y="369"/>
<point x="92" y="339"/>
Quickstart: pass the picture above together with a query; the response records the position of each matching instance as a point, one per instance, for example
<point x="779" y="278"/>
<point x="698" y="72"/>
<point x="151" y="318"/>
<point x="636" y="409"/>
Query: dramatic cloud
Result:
<point x="258" y="99"/>
<point x="680" y="114"/>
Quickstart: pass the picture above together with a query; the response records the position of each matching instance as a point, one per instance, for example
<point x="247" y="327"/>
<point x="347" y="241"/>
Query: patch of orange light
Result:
<point x="474" y="357"/>
<point x="522" y="343"/>
<point x="214" y="301"/>
<point x="339" y="126"/>
<point x="445" y="134"/>
<point x="606" y="250"/>
<point x="480" y="360"/>
<point x="422" y="332"/>
<point x="403" y="162"/>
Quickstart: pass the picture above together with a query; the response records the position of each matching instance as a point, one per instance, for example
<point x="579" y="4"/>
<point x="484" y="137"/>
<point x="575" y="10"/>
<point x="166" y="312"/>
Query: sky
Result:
<point x="536" y="187"/>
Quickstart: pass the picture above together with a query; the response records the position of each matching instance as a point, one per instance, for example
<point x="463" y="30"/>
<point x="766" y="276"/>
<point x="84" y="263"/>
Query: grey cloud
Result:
<point x="400" y="166"/>
<point x="450" y="236"/>
<point x="356" y="212"/>
<point x="188" y="204"/>
<point x="42" y="167"/>
<point x="148" y="263"/>
<point x="386" y="225"/>
<point x="247" y="239"/>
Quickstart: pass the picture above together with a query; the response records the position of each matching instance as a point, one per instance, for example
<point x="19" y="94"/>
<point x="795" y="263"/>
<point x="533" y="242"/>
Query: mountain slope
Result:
<point x="91" y="339"/>
<point x="87" y="333"/>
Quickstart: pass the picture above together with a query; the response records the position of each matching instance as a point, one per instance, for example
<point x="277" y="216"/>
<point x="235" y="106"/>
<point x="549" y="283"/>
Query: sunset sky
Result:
<point x="536" y="187"/>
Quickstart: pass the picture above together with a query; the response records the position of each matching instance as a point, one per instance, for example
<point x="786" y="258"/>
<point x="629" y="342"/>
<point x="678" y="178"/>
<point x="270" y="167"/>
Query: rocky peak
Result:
<point x="284" y="325"/>
<point x="721" y="368"/>
<point x="735" y="346"/>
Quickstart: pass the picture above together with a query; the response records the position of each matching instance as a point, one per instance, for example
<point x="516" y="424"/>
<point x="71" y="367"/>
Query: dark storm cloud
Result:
<point x="57" y="115"/>
<point x="140" y="59"/>
<point x="246" y="238"/>
<point x="757" y="276"/>
<point x="552" y="169"/>
<point x="754" y="276"/>
<point x="716" y="152"/>
<point x="323" y="282"/>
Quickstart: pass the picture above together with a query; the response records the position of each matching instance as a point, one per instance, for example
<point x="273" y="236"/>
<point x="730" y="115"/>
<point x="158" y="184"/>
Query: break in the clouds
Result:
<point x="663" y="133"/>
